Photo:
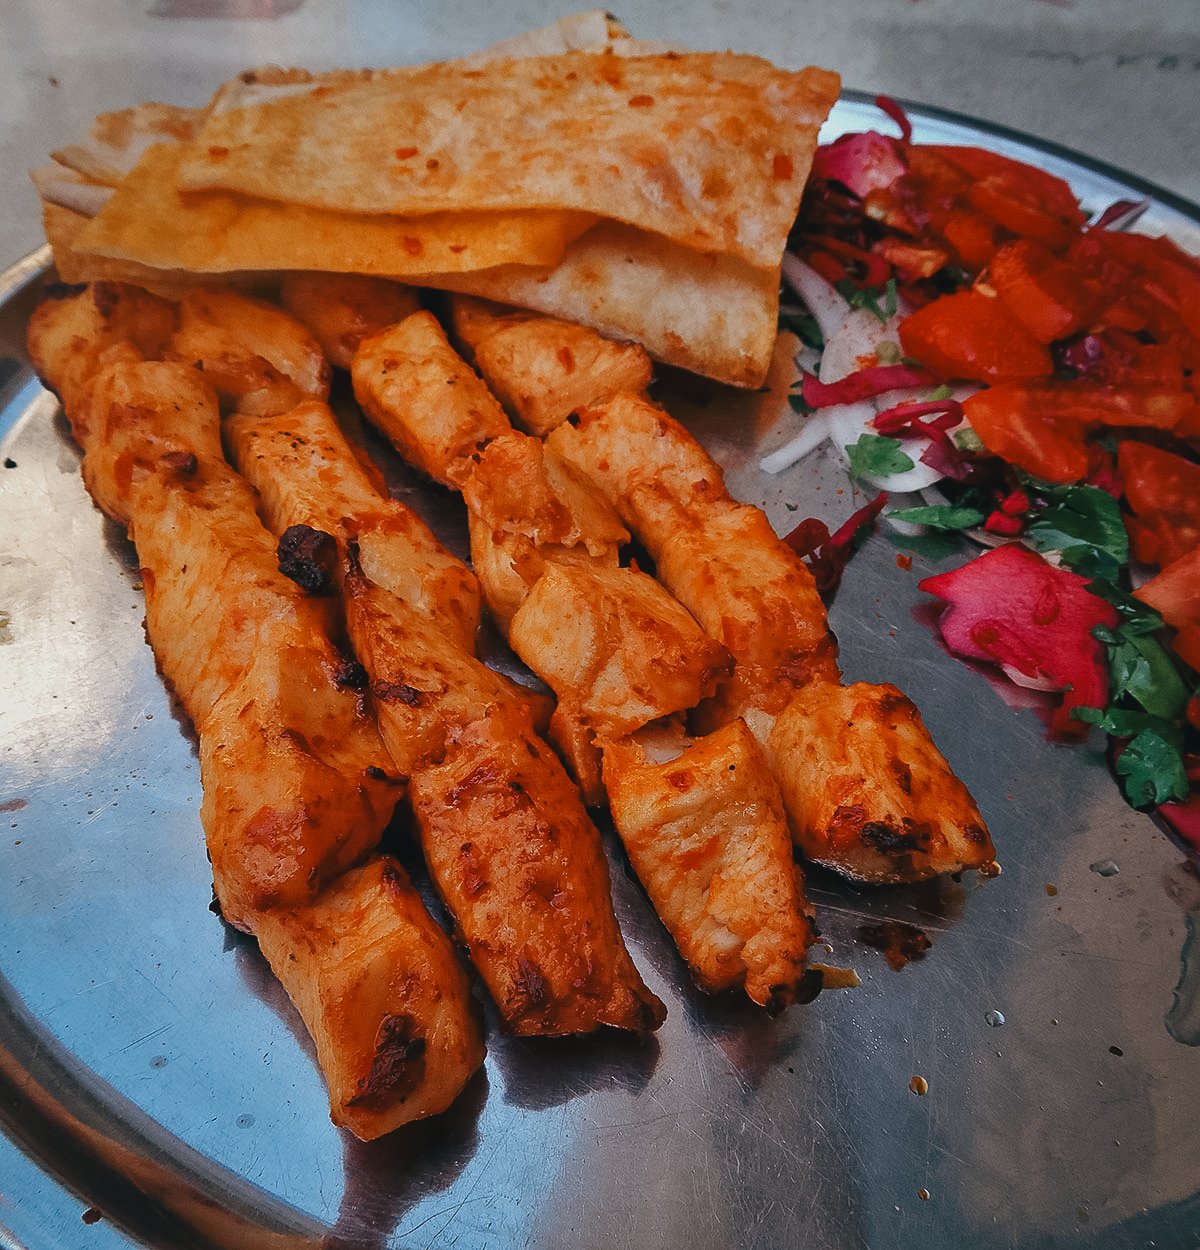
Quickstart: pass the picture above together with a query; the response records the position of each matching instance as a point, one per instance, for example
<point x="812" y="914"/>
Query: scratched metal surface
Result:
<point x="150" y="1067"/>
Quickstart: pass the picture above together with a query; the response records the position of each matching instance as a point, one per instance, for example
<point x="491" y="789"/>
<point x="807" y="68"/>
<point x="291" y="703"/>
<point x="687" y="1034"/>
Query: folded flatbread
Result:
<point x="710" y="150"/>
<point x="711" y="314"/>
<point x="149" y="221"/>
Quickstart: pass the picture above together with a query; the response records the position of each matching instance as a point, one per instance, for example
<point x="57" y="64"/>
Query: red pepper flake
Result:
<point x="402" y="154"/>
<point x="218" y="153"/>
<point x="456" y="248"/>
<point x="414" y="247"/>
<point x="782" y="167"/>
<point x="432" y="163"/>
<point x="640" y="101"/>
<point x="567" y="359"/>
<point x="904" y="562"/>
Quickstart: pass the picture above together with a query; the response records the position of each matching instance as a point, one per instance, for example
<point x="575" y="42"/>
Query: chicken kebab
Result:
<point x="702" y="820"/>
<point x="298" y="786"/>
<point x="866" y="790"/>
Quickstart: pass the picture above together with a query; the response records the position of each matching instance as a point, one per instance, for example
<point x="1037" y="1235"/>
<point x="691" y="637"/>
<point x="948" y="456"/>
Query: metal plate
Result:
<point x="150" y="1066"/>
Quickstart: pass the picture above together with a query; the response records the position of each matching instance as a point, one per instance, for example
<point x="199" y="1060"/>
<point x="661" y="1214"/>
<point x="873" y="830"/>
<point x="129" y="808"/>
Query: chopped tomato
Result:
<point x="1174" y="593"/>
<point x="1014" y="425"/>
<point x="1042" y="426"/>
<point x="973" y="237"/>
<point x="1153" y="287"/>
<point x="1164" y="492"/>
<point x="969" y="335"/>
<point x="1029" y="202"/>
<point x="1046" y="295"/>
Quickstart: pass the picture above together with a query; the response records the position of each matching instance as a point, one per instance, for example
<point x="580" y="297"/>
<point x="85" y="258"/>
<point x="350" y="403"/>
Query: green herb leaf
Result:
<point x="805" y="327"/>
<point x="877" y="456"/>
<point x="881" y="302"/>
<point x="1082" y="517"/>
<point x="1141" y="668"/>
<point x="1152" y="771"/>
<point x="1123" y="722"/>
<point x="940" y="516"/>
<point x="797" y="403"/>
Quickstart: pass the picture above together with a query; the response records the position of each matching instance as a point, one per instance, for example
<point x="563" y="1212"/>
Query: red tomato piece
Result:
<point x="1042" y="426"/>
<point x="1164" y="492"/>
<point x="1027" y="201"/>
<point x="1049" y="297"/>
<point x="969" y="335"/>
<point x="1174" y="593"/>
<point x="1014" y="425"/>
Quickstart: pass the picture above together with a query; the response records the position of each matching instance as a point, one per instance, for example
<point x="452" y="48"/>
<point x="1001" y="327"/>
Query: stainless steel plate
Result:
<point x="151" y="1068"/>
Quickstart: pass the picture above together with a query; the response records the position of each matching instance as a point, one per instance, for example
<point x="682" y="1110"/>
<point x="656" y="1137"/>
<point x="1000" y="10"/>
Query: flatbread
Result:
<point x="714" y="315"/>
<point x="62" y="227"/>
<point x="711" y="150"/>
<point x="116" y="141"/>
<point x="150" y="222"/>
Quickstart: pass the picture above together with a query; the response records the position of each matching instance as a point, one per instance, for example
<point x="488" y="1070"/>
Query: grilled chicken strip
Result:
<point x="866" y="790"/>
<point x="541" y="369"/>
<point x="507" y="840"/>
<point x="341" y="309"/>
<point x="528" y="511"/>
<point x="295" y="791"/>
<point x="706" y="826"/>
<point x="383" y="995"/>
<point x="249" y="350"/>
<point x="617" y="649"/>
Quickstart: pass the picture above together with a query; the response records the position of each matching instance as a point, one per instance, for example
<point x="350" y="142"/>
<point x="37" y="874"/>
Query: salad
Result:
<point x="967" y="334"/>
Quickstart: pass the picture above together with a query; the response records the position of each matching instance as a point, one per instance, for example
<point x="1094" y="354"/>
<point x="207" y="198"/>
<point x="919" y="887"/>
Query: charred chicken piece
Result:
<point x="865" y="745"/>
<point x="522" y="869"/>
<point x="307" y="474"/>
<point x="416" y="388"/>
<point x="381" y="990"/>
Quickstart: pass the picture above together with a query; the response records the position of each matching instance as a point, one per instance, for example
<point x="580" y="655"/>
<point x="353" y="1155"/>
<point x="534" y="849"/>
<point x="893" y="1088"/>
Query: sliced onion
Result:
<point x="822" y="299"/>
<point x="813" y="433"/>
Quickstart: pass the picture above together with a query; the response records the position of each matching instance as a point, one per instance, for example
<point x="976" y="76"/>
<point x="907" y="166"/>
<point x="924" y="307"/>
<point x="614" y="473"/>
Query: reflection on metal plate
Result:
<point x="1030" y="1080"/>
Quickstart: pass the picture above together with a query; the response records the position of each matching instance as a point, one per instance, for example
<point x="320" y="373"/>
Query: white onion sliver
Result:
<point x="812" y="434"/>
<point x="823" y="301"/>
<point x="1029" y="683"/>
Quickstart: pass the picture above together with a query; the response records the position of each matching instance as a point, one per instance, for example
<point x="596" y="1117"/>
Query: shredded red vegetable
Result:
<point x="908" y="421"/>
<point x="1014" y="608"/>
<point x="862" y="163"/>
<point x="1126" y="212"/>
<point x="828" y="554"/>
<point x="876" y="269"/>
<point x="887" y="105"/>
<point x="864" y="384"/>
